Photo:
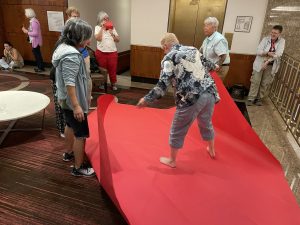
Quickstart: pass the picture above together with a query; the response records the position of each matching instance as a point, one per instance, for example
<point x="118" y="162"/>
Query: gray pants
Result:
<point x="183" y="119"/>
<point x="260" y="83"/>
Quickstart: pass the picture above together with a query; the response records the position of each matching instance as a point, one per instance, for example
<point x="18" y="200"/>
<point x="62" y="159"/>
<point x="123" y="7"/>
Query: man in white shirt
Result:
<point x="215" y="47"/>
<point x="266" y="65"/>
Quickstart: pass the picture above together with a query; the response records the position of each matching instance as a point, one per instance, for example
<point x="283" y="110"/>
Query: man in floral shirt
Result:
<point x="195" y="93"/>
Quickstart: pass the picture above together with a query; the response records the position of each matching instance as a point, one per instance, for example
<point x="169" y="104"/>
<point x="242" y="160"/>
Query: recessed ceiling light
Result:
<point x="287" y="8"/>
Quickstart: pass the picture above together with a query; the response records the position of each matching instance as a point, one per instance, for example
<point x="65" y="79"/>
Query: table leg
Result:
<point x="12" y="124"/>
<point x="7" y="130"/>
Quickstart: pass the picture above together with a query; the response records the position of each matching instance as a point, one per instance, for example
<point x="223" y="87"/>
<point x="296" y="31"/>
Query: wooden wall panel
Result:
<point x="123" y="61"/>
<point x="13" y="18"/>
<point x="240" y="70"/>
<point x="2" y="36"/>
<point x="145" y="61"/>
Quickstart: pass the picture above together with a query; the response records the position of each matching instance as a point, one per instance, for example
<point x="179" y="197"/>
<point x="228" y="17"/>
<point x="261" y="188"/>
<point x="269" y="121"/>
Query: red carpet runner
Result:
<point x="244" y="185"/>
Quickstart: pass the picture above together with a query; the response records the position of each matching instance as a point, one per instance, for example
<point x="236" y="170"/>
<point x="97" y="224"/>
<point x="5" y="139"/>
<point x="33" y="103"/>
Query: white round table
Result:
<point x="19" y="104"/>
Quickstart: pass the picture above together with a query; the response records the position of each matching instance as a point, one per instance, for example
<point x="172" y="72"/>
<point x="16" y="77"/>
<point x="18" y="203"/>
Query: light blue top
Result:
<point x="214" y="46"/>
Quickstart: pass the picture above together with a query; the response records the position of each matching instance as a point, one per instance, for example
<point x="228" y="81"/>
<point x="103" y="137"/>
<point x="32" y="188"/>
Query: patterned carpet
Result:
<point x="36" y="186"/>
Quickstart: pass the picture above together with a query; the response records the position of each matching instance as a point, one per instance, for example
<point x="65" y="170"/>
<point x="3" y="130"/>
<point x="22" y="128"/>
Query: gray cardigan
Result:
<point x="263" y="48"/>
<point x="70" y="71"/>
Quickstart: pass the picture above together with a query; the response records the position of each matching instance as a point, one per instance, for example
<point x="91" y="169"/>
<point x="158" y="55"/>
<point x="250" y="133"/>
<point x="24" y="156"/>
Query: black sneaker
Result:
<point x="258" y="102"/>
<point x="68" y="156"/>
<point x="38" y="70"/>
<point x="86" y="165"/>
<point x="250" y="102"/>
<point x="83" y="171"/>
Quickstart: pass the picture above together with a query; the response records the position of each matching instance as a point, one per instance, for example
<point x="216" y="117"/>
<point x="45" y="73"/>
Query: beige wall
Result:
<point x="289" y="18"/>
<point x="119" y="12"/>
<point x="149" y="21"/>
<point x="245" y="43"/>
<point x="140" y="22"/>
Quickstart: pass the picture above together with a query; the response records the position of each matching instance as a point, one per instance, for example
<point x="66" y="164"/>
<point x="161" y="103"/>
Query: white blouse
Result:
<point x="107" y="44"/>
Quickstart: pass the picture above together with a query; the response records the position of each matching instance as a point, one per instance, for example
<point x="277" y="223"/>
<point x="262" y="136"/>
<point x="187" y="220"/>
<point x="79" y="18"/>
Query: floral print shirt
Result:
<point x="188" y="71"/>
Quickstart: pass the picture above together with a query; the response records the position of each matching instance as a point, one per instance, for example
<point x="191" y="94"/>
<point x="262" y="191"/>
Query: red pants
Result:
<point x="109" y="61"/>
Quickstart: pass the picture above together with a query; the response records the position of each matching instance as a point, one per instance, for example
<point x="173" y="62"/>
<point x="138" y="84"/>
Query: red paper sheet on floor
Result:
<point x="244" y="185"/>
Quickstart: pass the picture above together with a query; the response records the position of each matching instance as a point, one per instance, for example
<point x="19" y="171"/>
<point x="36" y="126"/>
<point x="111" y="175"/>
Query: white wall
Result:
<point x="118" y="11"/>
<point x="245" y="43"/>
<point x="149" y="21"/>
<point x="143" y="22"/>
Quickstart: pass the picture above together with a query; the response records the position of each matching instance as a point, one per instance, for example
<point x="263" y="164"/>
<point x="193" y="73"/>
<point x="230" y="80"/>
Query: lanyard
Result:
<point x="272" y="48"/>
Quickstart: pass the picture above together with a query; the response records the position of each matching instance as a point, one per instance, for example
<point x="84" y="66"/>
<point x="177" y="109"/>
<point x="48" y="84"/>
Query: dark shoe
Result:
<point x="82" y="171"/>
<point x="250" y="102"/>
<point x="68" y="156"/>
<point x="86" y="165"/>
<point x="37" y="70"/>
<point x="258" y="102"/>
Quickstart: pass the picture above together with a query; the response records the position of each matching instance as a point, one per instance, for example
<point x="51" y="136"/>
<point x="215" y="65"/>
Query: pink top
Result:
<point x="34" y="33"/>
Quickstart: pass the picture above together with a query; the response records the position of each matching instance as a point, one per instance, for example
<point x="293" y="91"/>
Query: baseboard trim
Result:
<point x="144" y="80"/>
<point x="33" y="63"/>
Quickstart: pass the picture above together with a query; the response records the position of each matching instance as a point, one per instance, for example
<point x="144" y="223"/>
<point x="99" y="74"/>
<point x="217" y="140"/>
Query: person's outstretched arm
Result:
<point x="167" y="72"/>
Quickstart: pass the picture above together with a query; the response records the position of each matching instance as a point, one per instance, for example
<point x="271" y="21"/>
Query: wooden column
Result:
<point x="2" y="33"/>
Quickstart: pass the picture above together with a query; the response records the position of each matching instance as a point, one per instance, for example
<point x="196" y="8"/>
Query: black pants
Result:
<point x="38" y="57"/>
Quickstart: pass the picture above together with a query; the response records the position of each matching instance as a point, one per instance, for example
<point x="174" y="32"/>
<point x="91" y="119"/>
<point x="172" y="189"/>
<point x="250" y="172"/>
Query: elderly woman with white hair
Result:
<point x="35" y="38"/>
<point x="195" y="94"/>
<point x="215" y="46"/>
<point x="106" y="53"/>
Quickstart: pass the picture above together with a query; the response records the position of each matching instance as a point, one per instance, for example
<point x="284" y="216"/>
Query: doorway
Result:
<point x="186" y="18"/>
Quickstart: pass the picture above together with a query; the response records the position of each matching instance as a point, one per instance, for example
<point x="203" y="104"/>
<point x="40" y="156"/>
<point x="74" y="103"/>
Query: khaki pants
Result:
<point x="260" y="83"/>
<point x="222" y="73"/>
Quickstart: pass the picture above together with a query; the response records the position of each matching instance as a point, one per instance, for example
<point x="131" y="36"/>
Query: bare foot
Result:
<point x="167" y="162"/>
<point x="211" y="153"/>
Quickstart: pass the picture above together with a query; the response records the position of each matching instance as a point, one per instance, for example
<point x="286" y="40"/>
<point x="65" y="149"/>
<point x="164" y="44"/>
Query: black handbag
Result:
<point x="238" y="91"/>
<point x="52" y="73"/>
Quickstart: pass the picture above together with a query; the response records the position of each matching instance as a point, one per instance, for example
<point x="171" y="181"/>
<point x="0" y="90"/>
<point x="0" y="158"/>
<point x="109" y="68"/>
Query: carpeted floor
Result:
<point x="36" y="185"/>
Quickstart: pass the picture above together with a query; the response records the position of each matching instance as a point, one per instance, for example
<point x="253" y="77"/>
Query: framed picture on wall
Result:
<point x="243" y="24"/>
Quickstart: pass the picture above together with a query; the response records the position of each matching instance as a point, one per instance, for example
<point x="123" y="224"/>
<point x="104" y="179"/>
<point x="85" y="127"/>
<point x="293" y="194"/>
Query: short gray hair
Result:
<point x="213" y="21"/>
<point x="29" y="13"/>
<point x="75" y="32"/>
<point x="100" y="17"/>
<point x="169" y="39"/>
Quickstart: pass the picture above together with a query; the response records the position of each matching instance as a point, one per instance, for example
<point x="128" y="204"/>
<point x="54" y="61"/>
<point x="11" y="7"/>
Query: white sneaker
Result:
<point x="82" y="171"/>
<point x="114" y="88"/>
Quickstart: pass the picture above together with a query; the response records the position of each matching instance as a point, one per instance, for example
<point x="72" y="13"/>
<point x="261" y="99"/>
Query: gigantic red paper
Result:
<point x="244" y="185"/>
